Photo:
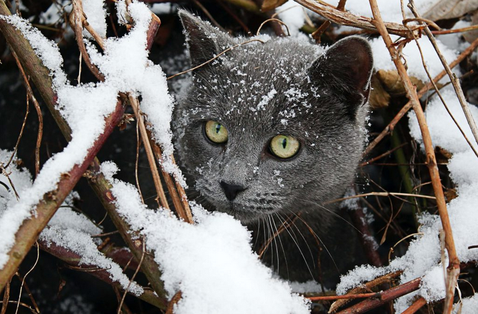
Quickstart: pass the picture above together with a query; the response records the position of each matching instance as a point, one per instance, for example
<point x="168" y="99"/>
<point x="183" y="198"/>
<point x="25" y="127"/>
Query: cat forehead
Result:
<point x="278" y="57"/>
<point x="257" y="78"/>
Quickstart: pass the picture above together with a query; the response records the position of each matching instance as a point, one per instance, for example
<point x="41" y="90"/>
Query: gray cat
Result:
<point x="268" y="132"/>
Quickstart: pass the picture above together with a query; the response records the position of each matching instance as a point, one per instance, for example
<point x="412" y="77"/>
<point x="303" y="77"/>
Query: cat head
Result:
<point x="271" y="126"/>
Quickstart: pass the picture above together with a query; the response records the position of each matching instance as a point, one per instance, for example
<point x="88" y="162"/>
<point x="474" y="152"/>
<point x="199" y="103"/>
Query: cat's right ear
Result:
<point x="204" y="41"/>
<point x="346" y="68"/>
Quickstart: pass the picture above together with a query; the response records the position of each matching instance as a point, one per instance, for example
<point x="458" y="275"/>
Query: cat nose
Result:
<point x="231" y="190"/>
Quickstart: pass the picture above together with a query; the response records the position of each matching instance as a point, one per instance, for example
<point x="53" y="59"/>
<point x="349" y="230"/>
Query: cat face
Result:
<point x="271" y="127"/>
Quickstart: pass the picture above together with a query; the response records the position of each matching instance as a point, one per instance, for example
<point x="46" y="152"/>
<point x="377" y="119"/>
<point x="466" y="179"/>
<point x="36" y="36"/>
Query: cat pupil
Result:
<point x="218" y="128"/>
<point x="284" y="143"/>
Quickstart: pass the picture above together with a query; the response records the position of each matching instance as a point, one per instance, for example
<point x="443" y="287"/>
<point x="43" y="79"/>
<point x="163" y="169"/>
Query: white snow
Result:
<point x="469" y="306"/>
<point x="390" y="10"/>
<point x="293" y="15"/>
<point x="423" y="257"/>
<point x="414" y="63"/>
<point x="126" y="68"/>
<point x="66" y="229"/>
<point x="95" y="15"/>
<point x="210" y="262"/>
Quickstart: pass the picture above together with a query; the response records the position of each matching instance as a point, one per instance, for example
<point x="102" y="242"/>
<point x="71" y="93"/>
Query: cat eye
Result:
<point x="216" y="132"/>
<point x="283" y="146"/>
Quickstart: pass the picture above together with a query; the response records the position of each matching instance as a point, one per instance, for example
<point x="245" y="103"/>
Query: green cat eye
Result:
<point x="216" y="132"/>
<point x="284" y="146"/>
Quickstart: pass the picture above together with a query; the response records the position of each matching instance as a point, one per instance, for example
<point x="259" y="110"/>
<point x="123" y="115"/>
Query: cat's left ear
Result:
<point x="346" y="67"/>
<point x="204" y="41"/>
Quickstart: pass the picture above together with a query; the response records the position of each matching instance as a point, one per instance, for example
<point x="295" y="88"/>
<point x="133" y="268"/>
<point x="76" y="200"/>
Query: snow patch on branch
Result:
<point x="127" y="68"/>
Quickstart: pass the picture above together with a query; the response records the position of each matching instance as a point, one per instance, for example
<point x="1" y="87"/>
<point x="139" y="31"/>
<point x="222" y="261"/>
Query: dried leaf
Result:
<point x="448" y="9"/>
<point x="271" y="4"/>
<point x="392" y="83"/>
<point x="379" y="97"/>
<point x="471" y="36"/>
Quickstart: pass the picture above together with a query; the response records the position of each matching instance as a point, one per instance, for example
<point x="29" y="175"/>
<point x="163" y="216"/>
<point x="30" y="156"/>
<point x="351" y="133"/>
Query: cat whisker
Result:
<point x="294" y="237"/>
<point x="289" y="224"/>
<point x="318" y="239"/>
<point x="334" y="214"/>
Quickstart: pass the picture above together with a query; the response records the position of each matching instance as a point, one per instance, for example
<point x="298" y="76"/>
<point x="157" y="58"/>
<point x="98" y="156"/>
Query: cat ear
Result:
<point x="204" y="41"/>
<point x="346" y="67"/>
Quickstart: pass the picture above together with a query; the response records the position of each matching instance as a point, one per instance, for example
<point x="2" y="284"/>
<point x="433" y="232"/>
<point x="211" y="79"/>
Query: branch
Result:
<point x="422" y="92"/>
<point x="41" y="78"/>
<point x="31" y="228"/>
<point x="349" y="19"/>
<point x="454" y="80"/>
<point x="454" y="264"/>
<point x="383" y="297"/>
<point x="73" y="259"/>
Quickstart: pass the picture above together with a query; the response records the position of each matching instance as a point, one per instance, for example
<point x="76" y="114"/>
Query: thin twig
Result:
<point x="31" y="96"/>
<point x="132" y="277"/>
<point x="418" y="304"/>
<point x="391" y="126"/>
<point x="319" y="31"/>
<point x="214" y="58"/>
<point x="454" y="263"/>
<point x="28" y="272"/>
<point x="440" y="96"/>
<point x="27" y="111"/>
<point x="346" y="18"/>
<point x="161" y="197"/>
<point x="345" y="297"/>
<point x="78" y="22"/>
<point x="272" y="19"/>
<point x="385" y="297"/>
<point x="6" y="298"/>
<point x="454" y="80"/>
<point x="385" y="194"/>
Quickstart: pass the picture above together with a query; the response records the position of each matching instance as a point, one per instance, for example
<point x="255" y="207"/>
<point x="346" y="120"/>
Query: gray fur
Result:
<point x="259" y="90"/>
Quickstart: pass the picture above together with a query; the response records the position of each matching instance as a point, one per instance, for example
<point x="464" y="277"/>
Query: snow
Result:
<point x="126" y="68"/>
<point x="423" y="257"/>
<point x="390" y="10"/>
<point x="469" y="306"/>
<point x="293" y="15"/>
<point x="67" y="229"/>
<point x="95" y="15"/>
<point x="411" y="53"/>
<point x="211" y="262"/>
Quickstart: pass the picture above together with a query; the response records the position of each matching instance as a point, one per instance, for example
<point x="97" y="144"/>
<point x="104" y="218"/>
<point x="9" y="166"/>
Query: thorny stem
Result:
<point x="73" y="259"/>
<point x="385" y="279"/>
<point x="454" y="263"/>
